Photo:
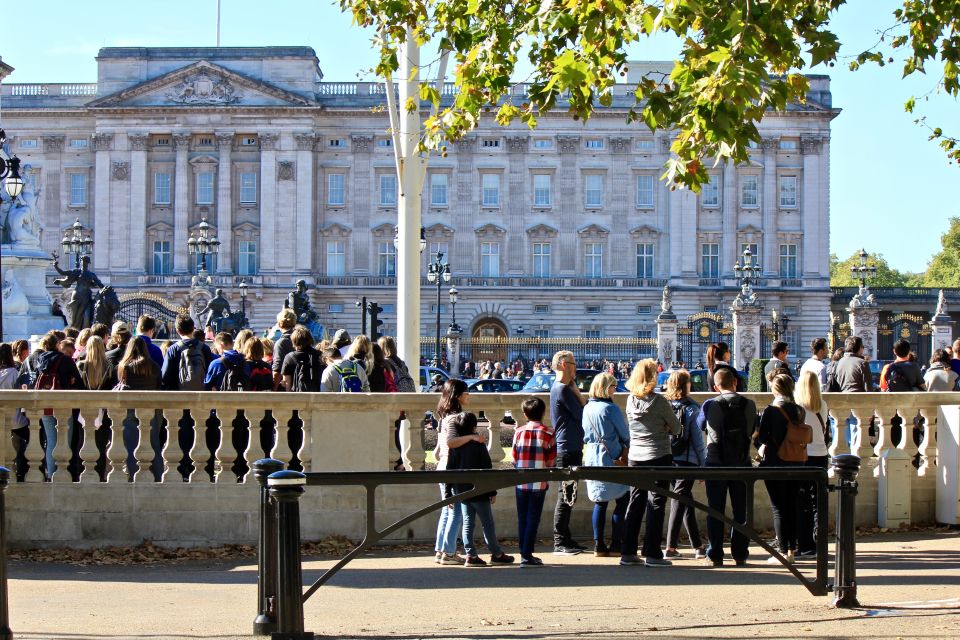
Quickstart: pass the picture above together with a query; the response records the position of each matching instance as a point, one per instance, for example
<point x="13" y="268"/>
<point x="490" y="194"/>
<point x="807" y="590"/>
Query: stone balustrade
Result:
<point x="209" y="439"/>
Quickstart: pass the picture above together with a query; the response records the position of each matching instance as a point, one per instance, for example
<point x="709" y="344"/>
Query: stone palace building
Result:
<point x="564" y="231"/>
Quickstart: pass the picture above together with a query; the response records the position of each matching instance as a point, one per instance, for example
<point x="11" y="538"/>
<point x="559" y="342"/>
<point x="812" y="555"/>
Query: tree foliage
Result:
<point x="887" y="276"/>
<point x="738" y="60"/>
<point x="944" y="267"/>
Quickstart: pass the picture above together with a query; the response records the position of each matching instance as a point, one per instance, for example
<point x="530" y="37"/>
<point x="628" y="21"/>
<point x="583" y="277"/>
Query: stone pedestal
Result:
<point x="453" y="350"/>
<point x="941" y="325"/>
<point x="667" y="338"/>
<point x="26" y="303"/>
<point x="863" y="323"/>
<point x="746" y="334"/>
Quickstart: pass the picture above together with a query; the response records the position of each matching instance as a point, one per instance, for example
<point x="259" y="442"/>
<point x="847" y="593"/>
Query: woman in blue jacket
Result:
<point x="688" y="450"/>
<point x="606" y="435"/>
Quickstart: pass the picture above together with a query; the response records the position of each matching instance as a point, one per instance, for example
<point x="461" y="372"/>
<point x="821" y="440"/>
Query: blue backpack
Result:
<point x="349" y="379"/>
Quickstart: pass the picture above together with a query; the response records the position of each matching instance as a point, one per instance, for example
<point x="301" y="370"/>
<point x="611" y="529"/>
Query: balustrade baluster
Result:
<point x="884" y="420"/>
<point x="493" y="443"/>
<point x="34" y="452"/>
<point x="143" y="452"/>
<point x="199" y="453"/>
<point x="172" y="454"/>
<point x="61" y="450"/>
<point x="860" y="442"/>
<point x="254" y="450"/>
<point x="89" y="454"/>
<point x="305" y="452"/>
<point x="226" y="454"/>
<point x="411" y="443"/>
<point x="909" y="445"/>
<point x="927" y="440"/>
<point x="116" y="451"/>
<point x="281" y="446"/>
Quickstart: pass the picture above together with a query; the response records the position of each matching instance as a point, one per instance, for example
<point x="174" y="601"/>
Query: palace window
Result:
<point x="710" y="260"/>
<point x="490" y="259"/>
<point x="386" y="259"/>
<point x="788" y="192"/>
<point x="161" y="188"/>
<point x="749" y="191"/>
<point x="593" y="260"/>
<point x="78" y="189"/>
<point x="710" y="193"/>
<point x="541" y="190"/>
<point x="491" y="190"/>
<point x="247" y="258"/>
<point x="645" y="191"/>
<point x="248" y="188"/>
<point x="336" y="258"/>
<point x="593" y="188"/>
<point x="162" y="258"/>
<point x="438" y="189"/>
<point x="335" y="190"/>
<point x="388" y="190"/>
<point x="645" y="260"/>
<point x="788" y="261"/>
<point x="541" y="259"/>
<point x="205" y="187"/>
<point x="593" y="144"/>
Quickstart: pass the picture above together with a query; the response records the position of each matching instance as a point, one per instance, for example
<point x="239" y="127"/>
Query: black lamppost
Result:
<point x="77" y="242"/>
<point x="862" y="271"/>
<point x="438" y="272"/>
<point x="520" y="331"/>
<point x="779" y="324"/>
<point x="13" y="185"/>
<point x="454" y="297"/>
<point x="203" y="244"/>
<point x="748" y="272"/>
<point x="243" y="302"/>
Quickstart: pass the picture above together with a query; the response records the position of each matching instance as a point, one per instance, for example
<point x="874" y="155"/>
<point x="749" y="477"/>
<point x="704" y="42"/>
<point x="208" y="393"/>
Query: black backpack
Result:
<point x="897" y="380"/>
<point x="680" y="442"/>
<point x="733" y="440"/>
<point x="235" y="377"/>
<point x="192" y="369"/>
<point x="306" y="375"/>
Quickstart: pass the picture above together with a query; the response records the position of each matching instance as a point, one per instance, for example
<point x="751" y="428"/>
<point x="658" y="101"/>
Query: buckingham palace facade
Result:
<point x="565" y="230"/>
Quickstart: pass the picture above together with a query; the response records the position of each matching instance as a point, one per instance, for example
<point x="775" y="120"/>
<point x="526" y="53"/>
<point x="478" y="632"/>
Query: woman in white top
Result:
<point x="807" y="395"/>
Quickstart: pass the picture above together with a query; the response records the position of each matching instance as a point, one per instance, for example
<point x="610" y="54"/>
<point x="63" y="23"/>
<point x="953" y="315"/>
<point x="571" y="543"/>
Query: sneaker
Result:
<point x="531" y="561"/>
<point x="672" y="553"/>
<point x="565" y="551"/>
<point x="474" y="561"/>
<point x="807" y="555"/>
<point x="656" y="562"/>
<point x="601" y="550"/>
<point x="707" y="562"/>
<point x="451" y="559"/>
<point x="699" y="554"/>
<point x="776" y="560"/>
<point x="501" y="558"/>
<point x="439" y="557"/>
<point x="630" y="561"/>
<point x="741" y="563"/>
<point x="573" y="544"/>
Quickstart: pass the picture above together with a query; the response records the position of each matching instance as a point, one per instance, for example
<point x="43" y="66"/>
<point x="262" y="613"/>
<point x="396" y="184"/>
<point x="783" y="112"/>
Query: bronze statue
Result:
<point x="217" y="309"/>
<point x="81" y="283"/>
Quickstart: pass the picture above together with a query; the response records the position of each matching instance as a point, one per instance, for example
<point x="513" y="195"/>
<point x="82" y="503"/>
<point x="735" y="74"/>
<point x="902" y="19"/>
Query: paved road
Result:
<point x="909" y="586"/>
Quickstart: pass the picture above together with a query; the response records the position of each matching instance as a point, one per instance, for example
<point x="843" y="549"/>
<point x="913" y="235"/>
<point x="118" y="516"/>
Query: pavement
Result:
<point x="909" y="587"/>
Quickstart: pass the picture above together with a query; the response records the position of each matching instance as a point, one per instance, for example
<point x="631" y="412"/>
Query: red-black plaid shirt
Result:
<point x="534" y="447"/>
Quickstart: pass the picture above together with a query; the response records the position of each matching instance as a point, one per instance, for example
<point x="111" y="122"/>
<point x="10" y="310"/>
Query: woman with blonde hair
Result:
<point x="606" y="436"/>
<point x="241" y="340"/>
<point x="361" y="353"/>
<point x="652" y="422"/>
<point x="688" y="450"/>
<point x="807" y="395"/>
<point x="95" y="371"/>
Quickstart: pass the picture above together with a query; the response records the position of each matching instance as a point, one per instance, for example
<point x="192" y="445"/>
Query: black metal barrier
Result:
<point x="280" y="579"/>
<point x="5" y="632"/>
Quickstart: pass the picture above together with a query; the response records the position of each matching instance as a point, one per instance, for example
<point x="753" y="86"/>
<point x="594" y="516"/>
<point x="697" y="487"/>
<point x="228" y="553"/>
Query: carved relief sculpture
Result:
<point x="361" y="143"/>
<point x="568" y="144"/>
<point x="204" y="88"/>
<point x="748" y="345"/>
<point x="286" y="170"/>
<point x="138" y="141"/>
<point x="120" y="171"/>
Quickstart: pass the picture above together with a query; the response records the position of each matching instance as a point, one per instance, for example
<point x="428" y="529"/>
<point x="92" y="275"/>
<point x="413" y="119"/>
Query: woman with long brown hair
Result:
<point x="718" y="357"/>
<point x="137" y="370"/>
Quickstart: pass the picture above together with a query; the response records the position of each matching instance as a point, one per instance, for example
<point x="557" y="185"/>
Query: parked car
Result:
<point x="494" y="386"/>
<point x="427" y="374"/>
<point x="541" y="382"/>
<point x="699" y="380"/>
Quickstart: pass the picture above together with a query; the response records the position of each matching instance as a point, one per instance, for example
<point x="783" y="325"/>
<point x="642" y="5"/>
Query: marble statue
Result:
<point x="666" y="302"/>
<point x="941" y="305"/>
<point x="22" y="225"/>
<point x="14" y="299"/>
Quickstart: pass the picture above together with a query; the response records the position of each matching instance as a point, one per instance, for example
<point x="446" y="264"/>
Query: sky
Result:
<point x="889" y="186"/>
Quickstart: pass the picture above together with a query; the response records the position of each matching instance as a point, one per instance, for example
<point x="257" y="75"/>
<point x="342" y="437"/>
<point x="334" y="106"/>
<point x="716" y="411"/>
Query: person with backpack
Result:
<point x="186" y="363"/>
<point x="902" y="374"/>
<point x="258" y="370"/>
<point x="728" y="419"/>
<point x="607" y="439"/>
<point x="652" y="422"/>
<point x="688" y="450"/>
<point x="343" y="375"/>
<point x="55" y="371"/>
<point x="817" y="417"/>
<point x="782" y="439"/>
<point x="227" y="372"/>
<point x="303" y="368"/>
<point x="286" y="321"/>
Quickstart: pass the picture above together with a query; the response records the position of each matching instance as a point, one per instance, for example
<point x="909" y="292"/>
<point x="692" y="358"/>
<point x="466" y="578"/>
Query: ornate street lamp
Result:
<point x="10" y="170"/>
<point x="454" y="297"/>
<point x="438" y="272"/>
<point x="243" y="300"/>
<point x="779" y="324"/>
<point x="203" y="244"/>
<point x="748" y="272"/>
<point x="77" y="242"/>
<point x="862" y="272"/>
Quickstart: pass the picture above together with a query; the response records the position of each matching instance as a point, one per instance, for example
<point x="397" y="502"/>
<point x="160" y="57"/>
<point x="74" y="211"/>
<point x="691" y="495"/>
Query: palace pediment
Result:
<point x="202" y="84"/>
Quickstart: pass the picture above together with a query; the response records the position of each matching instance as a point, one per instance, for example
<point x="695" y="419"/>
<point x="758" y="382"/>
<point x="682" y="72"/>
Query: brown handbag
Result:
<point x="624" y="451"/>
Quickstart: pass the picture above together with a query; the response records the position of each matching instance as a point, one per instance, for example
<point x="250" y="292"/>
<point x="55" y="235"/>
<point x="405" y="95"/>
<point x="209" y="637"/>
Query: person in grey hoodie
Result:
<point x="652" y="422"/>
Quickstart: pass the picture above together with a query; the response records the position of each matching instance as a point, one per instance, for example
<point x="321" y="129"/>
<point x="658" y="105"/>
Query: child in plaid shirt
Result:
<point x="534" y="447"/>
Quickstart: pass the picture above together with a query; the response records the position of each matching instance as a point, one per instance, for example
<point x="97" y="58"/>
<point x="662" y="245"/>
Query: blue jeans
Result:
<point x="447" y="528"/>
<point x="717" y="491"/>
<point x="529" y="508"/>
<point x="600" y="520"/>
<point x="471" y="511"/>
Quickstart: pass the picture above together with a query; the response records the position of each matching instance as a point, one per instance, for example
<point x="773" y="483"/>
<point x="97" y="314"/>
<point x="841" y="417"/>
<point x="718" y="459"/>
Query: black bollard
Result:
<point x="846" y="467"/>
<point x="266" y="621"/>
<point x="286" y="487"/>
<point x="5" y="632"/>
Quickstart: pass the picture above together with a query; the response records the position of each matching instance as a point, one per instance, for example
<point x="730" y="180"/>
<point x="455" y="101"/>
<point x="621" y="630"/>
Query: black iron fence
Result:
<point x="280" y="578"/>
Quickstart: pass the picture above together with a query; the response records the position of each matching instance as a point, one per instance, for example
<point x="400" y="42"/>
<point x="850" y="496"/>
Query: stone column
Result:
<point x="181" y="204"/>
<point x="453" y="351"/>
<point x="464" y="245"/>
<point x="730" y="205"/>
<point x="101" y="205"/>
<point x="268" y="201"/>
<point x="768" y="202"/>
<point x="746" y="334"/>
<point x="306" y="228"/>
<point x="224" y="202"/>
<point x="813" y="219"/>
<point x="667" y="335"/>
<point x="622" y="204"/>
<point x="568" y="208"/>
<point x="863" y="323"/>
<point x="52" y="171"/>
<point x="513" y="204"/>
<point x="941" y="325"/>
<point x="138" y="202"/>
